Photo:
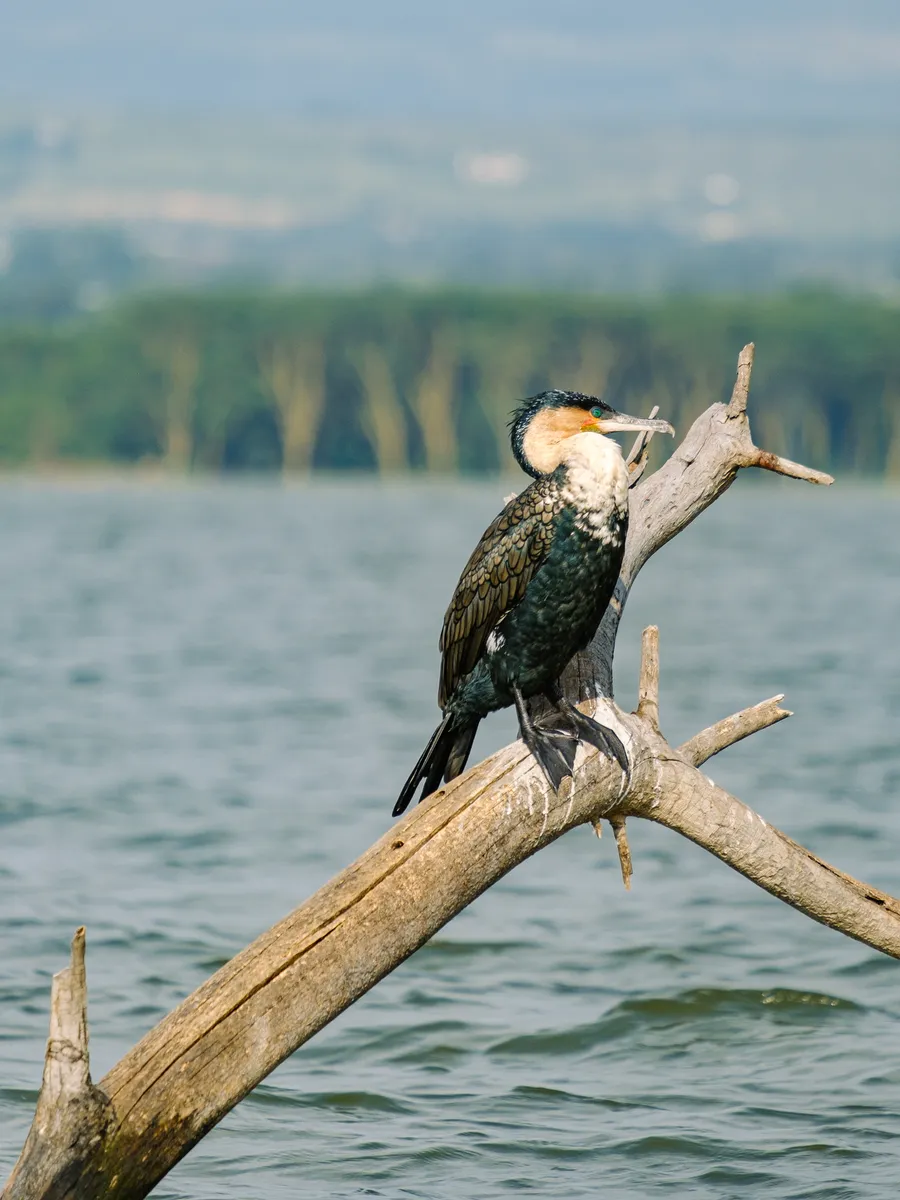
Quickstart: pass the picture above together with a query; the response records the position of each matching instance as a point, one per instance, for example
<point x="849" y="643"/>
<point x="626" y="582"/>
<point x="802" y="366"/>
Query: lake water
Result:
<point x="209" y="697"/>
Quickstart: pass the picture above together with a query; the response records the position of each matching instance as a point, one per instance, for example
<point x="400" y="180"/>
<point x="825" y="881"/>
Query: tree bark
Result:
<point x="178" y="353"/>
<point x="294" y="373"/>
<point x="432" y="401"/>
<point x="206" y="1055"/>
<point x="383" y="422"/>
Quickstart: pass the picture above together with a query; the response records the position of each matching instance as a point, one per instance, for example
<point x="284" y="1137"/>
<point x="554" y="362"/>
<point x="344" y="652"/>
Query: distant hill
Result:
<point x="94" y="204"/>
<point x="589" y="144"/>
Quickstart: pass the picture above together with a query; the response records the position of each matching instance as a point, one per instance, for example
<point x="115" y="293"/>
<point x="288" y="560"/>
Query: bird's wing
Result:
<point x="495" y="578"/>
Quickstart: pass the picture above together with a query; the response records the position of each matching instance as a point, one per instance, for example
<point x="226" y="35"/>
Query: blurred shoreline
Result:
<point x="105" y="476"/>
<point x="394" y="380"/>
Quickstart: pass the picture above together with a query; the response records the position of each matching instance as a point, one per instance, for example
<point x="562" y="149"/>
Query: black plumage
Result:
<point x="534" y="591"/>
<point x="495" y="579"/>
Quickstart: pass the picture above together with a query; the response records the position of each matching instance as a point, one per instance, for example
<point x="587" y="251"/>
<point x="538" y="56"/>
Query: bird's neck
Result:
<point x="596" y="479"/>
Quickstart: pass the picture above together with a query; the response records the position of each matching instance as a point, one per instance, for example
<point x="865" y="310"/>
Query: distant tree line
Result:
<point x="392" y="380"/>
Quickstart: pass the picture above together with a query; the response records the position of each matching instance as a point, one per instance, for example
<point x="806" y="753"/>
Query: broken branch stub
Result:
<point x="168" y="1091"/>
<point x="648" y="683"/>
<point x="72" y="1116"/>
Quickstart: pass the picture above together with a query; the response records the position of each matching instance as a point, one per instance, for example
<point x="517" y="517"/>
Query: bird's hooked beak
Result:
<point x="616" y="422"/>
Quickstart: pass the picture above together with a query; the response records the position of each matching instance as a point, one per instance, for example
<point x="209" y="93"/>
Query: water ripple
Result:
<point x="209" y="697"/>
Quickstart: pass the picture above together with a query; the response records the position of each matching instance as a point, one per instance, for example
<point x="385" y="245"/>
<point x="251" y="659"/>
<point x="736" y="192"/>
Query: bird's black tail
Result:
<point x="445" y="757"/>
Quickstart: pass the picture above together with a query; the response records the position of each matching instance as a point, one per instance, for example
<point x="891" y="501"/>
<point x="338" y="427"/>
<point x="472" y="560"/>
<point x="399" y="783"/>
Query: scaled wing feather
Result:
<point x="495" y="578"/>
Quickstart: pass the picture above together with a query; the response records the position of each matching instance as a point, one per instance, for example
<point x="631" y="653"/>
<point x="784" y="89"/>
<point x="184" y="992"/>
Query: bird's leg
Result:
<point x="586" y="729"/>
<point x="554" y="751"/>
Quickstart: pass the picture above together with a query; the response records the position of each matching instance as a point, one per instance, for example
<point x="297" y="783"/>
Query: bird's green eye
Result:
<point x="596" y="412"/>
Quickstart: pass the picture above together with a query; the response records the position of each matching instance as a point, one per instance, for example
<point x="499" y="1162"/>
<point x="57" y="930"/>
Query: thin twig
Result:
<point x="741" y="390"/>
<point x="784" y="466"/>
<point x="648" y="687"/>
<point x="639" y="455"/>
<point x="762" y="458"/>
<point x="618" y="828"/>
<point x="725" y="733"/>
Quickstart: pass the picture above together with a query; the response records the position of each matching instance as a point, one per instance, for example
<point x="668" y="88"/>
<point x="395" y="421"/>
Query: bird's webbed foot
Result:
<point x="585" y="729"/>
<point x="552" y="746"/>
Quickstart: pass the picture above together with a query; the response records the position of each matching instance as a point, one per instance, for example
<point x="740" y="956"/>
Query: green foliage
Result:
<point x="228" y="381"/>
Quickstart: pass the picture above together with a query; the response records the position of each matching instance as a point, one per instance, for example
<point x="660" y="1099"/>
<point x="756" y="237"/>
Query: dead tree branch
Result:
<point x="639" y="455"/>
<point x="648" y="684"/>
<point x="205" y="1056"/>
<point x="72" y="1115"/>
<point x="733" y="729"/>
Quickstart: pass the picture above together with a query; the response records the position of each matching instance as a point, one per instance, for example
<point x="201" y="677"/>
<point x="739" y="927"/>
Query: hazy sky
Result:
<point x="499" y="59"/>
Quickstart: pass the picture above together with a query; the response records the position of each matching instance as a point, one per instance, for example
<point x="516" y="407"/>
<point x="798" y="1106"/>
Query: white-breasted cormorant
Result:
<point x="535" y="589"/>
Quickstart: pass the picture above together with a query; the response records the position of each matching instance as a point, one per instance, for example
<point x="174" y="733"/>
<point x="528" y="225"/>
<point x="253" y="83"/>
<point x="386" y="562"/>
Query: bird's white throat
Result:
<point x="596" y="484"/>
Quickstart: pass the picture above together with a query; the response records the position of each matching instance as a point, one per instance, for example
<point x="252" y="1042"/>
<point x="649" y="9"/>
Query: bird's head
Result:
<point x="542" y="424"/>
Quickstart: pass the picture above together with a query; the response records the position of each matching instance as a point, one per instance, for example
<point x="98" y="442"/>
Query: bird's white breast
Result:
<point x="596" y="485"/>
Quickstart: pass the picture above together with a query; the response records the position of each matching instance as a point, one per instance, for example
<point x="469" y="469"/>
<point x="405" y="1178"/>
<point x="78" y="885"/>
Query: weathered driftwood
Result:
<point x="71" y="1115"/>
<point x="121" y="1138"/>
